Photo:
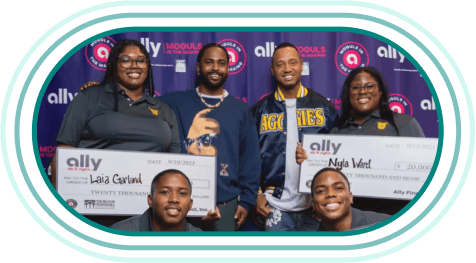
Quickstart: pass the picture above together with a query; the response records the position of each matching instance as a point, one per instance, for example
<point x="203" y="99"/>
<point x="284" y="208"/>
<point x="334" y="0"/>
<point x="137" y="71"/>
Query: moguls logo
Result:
<point x="400" y="104"/>
<point x="237" y="55"/>
<point x="351" y="55"/>
<point x="187" y="48"/>
<point x="98" y="51"/>
<point x="324" y="147"/>
<point x="47" y="151"/>
<point x="312" y="51"/>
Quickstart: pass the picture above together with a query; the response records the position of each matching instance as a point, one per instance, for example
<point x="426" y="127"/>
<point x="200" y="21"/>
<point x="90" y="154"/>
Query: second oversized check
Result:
<point x="376" y="166"/>
<point x="111" y="182"/>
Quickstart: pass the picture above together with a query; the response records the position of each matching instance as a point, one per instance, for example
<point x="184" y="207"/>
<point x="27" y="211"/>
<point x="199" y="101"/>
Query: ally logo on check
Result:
<point x="324" y="147"/>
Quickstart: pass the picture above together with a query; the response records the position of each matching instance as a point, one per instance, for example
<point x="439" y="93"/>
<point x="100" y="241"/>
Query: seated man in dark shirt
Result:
<point x="169" y="202"/>
<point x="332" y="199"/>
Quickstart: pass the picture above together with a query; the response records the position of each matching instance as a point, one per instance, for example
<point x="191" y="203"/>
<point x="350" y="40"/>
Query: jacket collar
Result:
<point x="302" y="92"/>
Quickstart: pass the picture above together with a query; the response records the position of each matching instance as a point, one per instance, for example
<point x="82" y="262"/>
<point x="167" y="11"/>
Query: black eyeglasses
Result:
<point x="127" y="62"/>
<point x="369" y="87"/>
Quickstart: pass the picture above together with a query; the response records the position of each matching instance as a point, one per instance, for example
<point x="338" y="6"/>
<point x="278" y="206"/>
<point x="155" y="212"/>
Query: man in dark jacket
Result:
<point x="281" y="118"/>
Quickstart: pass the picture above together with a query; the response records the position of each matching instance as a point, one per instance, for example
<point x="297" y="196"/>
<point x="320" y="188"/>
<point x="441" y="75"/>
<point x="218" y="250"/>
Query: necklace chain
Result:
<point x="208" y="105"/>
<point x="291" y="106"/>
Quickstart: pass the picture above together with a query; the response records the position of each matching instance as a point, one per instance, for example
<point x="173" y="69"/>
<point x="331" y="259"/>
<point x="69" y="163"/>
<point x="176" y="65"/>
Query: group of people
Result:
<point x="260" y="147"/>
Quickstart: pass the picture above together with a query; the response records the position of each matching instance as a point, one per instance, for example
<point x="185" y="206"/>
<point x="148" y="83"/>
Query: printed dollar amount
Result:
<point x="418" y="167"/>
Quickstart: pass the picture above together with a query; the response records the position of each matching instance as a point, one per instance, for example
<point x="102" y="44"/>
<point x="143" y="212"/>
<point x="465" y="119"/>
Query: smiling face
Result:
<point x="132" y="78"/>
<point x="171" y="201"/>
<point x="287" y="67"/>
<point x="364" y="102"/>
<point x="213" y="68"/>
<point x="331" y="197"/>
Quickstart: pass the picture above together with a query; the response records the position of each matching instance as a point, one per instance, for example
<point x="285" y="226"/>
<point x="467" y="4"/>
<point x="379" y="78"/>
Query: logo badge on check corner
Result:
<point x="72" y="203"/>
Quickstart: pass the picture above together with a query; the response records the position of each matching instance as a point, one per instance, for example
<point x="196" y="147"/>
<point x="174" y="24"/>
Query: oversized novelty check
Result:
<point x="376" y="166"/>
<point x="111" y="182"/>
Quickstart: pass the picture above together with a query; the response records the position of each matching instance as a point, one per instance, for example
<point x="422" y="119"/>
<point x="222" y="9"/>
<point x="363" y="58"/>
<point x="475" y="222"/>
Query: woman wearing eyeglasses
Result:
<point x="365" y="111"/>
<point x="121" y="113"/>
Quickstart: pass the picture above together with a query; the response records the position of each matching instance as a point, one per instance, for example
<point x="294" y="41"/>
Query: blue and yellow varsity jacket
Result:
<point x="315" y="114"/>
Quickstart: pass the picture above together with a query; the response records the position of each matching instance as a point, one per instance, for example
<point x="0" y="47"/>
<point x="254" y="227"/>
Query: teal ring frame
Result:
<point x="232" y="29"/>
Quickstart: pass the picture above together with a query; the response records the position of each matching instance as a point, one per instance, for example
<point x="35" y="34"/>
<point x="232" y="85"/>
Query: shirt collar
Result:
<point x="145" y="221"/>
<point x="111" y="85"/>
<point x="375" y="114"/>
<point x="302" y="92"/>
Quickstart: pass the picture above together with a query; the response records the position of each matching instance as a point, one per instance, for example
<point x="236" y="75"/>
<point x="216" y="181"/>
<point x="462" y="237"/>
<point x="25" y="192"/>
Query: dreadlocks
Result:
<point x="111" y="70"/>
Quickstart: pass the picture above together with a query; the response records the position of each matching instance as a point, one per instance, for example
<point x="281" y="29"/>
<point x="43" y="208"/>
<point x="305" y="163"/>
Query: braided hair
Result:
<point x="111" y="70"/>
<point x="385" y="111"/>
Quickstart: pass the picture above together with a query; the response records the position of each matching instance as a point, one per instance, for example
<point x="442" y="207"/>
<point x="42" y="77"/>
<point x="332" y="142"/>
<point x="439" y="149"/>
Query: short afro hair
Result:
<point x="156" y="179"/>
<point x="327" y="169"/>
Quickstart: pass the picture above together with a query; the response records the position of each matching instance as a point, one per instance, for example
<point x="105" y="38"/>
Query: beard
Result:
<point x="210" y="85"/>
<point x="288" y="86"/>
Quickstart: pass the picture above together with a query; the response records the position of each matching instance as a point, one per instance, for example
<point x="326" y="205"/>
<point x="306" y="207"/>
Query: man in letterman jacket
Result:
<point x="281" y="118"/>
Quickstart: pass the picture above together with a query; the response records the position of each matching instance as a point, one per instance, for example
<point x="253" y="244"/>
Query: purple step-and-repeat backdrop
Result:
<point x="328" y="57"/>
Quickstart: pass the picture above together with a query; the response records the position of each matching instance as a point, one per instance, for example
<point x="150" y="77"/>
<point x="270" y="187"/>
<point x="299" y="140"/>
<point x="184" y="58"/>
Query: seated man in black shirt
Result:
<point x="169" y="202"/>
<point x="332" y="199"/>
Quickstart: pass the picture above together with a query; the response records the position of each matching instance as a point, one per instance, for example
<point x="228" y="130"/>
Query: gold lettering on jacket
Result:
<point x="306" y="117"/>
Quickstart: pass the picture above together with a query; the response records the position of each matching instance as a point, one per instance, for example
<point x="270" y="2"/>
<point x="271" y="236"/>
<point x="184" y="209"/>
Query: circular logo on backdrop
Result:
<point x="237" y="55"/>
<point x="98" y="51"/>
<point x="72" y="203"/>
<point x="351" y="55"/>
<point x="400" y="104"/>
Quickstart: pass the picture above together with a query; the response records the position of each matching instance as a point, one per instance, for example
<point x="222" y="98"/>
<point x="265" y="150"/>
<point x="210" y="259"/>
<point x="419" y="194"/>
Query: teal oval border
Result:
<point x="426" y="78"/>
